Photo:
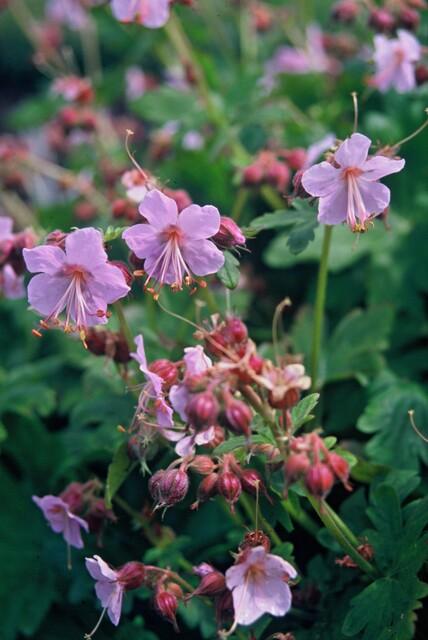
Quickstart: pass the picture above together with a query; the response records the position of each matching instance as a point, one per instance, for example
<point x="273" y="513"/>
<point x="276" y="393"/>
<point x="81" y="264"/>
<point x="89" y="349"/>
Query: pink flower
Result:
<point x="395" y="62"/>
<point x="79" y="280"/>
<point x="11" y="285"/>
<point x="196" y="363"/>
<point x="258" y="582"/>
<point x="152" y="390"/>
<point x="175" y="246"/>
<point x="136" y="83"/>
<point x="349" y="190"/>
<point x="150" y="13"/>
<point x="108" y="588"/>
<point x="62" y="520"/>
<point x="136" y="185"/>
<point x="68" y="12"/>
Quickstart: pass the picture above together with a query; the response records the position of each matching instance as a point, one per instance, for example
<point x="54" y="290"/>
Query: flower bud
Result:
<point x="229" y="486"/>
<point x="180" y="196"/>
<point x="85" y="211"/>
<point x="255" y="539"/>
<point x="124" y="269"/>
<point x="381" y="20"/>
<point x="203" y="465"/>
<point x="295" y="158"/>
<point x="340" y="468"/>
<point x="132" y="575"/>
<point x="218" y="439"/>
<point x="166" y="370"/>
<point x="296" y="466"/>
<point x="229" y="235"/>
<point x="98" y="514"/>
<point x="238" y="417"/>
<point x="262" y="17"/>
<point x="421" y="73"/>
<point x="216" y="344"/>
<point x="154" y="484"/>
<point x="345" y="11"/>
<point x="319" y="480"/>
<point x="207" y="488"/>
<point x="252" y="482"/>
<point x="278" y="175"/>
<point x="167" y="604"/>
<point x="212" y="584"/>
<point x="173" y="487"/>
<point x="56" y="238"/>
<point x="409" y="19"/>
<point x="73" y="496"/>
<point x="235" y="330"/>
<point x="253" y="174"/>
<point x="69" y="117"/>
<point x="202" y="410"/>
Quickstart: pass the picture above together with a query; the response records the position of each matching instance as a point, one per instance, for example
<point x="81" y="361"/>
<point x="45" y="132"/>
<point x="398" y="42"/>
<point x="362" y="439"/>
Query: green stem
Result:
<point x="239" y="204"/>
<point x="320" y="306"/>
<point x="123" y="324"/>
<point x="347" y="542"/>
<point x="301" y="517"/>
<point x="259" y="518"/>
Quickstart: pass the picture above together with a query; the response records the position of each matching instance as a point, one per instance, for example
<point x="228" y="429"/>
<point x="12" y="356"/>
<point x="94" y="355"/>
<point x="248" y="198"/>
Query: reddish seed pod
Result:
<point x="212" y="584"/>
<point x="409" y="19"/>
<point x="252" y="482"/>
<point x="132" y="575"/>
<point x="253" y="174"/>
<point x="238" y="417"/>
<point x="229" y="235"/>
<point x="166" y="370"/>
<point x="73" y="496"/>
<point x="296" y="158"/>
<point x="69" y="117"/>
<point x="345" y="11"/>
<point x="154" y="484"/>
<point x="229" y="486"/>
<point x="278" y="175"/>
<point x="296" y="466"/>
<point x="235" y="330"/>
<point x="180" y="196"/>
<point x="167" y="604"/>
<point x="203" y="465"/>
<point x="173" y="487"/>
<point x="216" y="344"/>
<point x="421" y="73"/>
<point x="202" y="410"/>
<point x="319" y="480"/>
<point x="340" y="468"/>
<point x="85" y="211"/>
<point x="382" y="20"/>
<point x="119" y="208"/>
<point x="208" y="487"/>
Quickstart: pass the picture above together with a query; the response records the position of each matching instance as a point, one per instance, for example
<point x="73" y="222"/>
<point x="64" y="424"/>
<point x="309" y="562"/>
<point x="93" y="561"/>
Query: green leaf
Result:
<point x="394" y="441"/>
<point x="229" y="273"/>
<point x="301" y="413"/>
<point x="118" y="470"/>
<point x="354" y="349"/>
<point x="166" y="104"/>
<point x="237" y="442"/>
<point x="113" y="233"/>
<point x="275" y="220"/>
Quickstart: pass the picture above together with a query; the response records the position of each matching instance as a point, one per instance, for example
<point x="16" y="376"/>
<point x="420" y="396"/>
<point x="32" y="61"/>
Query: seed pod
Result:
<point x="166" y="604"/>
<point x="212" y="584"/>
<point x="203" y="410"/>
<point x="296" y="466"/>
<point x="340" y="468"/>
<point x="132" y="575"/>
<point x="235" y="330"/>
<point x="203" y="465"/>
<point x="345" y="11"/>
<point x="173" y="487"/>
<point x="252" y="483"/>
<point x="382" y="20"/>
<point x="208" y="487"/>
<point x="154" y="483"/>
<point x="229" y="486"/>
<point x="229" y="235"/>
<point x="238" y="417"/>
<point x="319" y="480"/>
<point x="409" y="19"/>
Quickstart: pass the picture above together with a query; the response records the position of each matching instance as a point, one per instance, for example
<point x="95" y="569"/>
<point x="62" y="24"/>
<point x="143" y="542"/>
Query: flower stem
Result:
<point x="123" y="324"/>
<point x="250" y="509"/>
<point x="342" y="535"/>
<point x="301" y="517"/>
<point x="320" y="306"/>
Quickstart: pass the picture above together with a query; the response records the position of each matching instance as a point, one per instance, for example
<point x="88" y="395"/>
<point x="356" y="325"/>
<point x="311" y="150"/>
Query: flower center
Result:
<point x="357" y="216"/>
<point x="256" y="572"/>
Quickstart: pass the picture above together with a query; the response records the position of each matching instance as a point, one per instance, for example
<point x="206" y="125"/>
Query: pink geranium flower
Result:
<point x="108" y="588"/>
<point x="62" y="520"/>
<point x="348" y="190"/>
<point x="78" y="280"/>
<point x="395" y="62"/>
<point x="150" y="13"/>
<point x="258" y="582"/>
<point x="175" y="246"/>
<point x="152" y="391"/>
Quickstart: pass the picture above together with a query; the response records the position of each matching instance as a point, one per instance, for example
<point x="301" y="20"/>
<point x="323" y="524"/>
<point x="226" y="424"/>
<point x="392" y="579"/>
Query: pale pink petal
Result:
<point x="245" y="604"/>
<point x="203" y="257"/>
<point x="44" y="259"/>
<point x="411" y="45"/>
<point x="380" y="166"/>
<point x="179" y="397"/>
<point x="185" y="446"/>
<point x="115" y="604"/>
<point x="333" y="208"/>
<point x="125" y="10"/>
<point x="72" y="534"/>
<point x="108" y="283"/>
<point x="277" y="566"/>
<point x="164" y="414"/>
<point x="85" y="248"/>
<point x="6" y="226"/>
<point x="45" y="293"/>
<point x="13" y="285"/>
<point x="404" y="78"/>
<point x="205" y="436"/>
<point x="318" y="148"/>
<point x="159" y="210"/>
<point x="321" y="179"/>
<point x="353" y="151"/>
<point x="156" y="13"/>
<point x="99" y="569"/>
<point x="143" y="240"/>
<point x="140" y="354"/>
<point x="376" y="196"/>
<point x="199" y="222"/>
<point x="273" y="596"/>
<point x="196" y="360"/>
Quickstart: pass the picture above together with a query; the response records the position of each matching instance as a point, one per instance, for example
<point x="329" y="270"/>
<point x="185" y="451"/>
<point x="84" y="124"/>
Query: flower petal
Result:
<point x="159" y="210"/>
<point x="44" y="259"/>
<point x="99" y="569"/>
<point x="125" y="10"/>
<point x="333" y="208"/>
<point x="6" y="226"/>
<point x="45" y="293"/>
<point x="156" y="13"/>
<point x="199" y="222"/>
<point x="143" y="240"/>
<point x="353" y="151"/>
<point x="85" y="248"/>
<point x="380" y="166"/>
<point x="203" y="257"/>
<point x="376" y="196"/>
<point x="321" y="179"/>
<point x="108" y="283"/>
<point x="196" y="360"/>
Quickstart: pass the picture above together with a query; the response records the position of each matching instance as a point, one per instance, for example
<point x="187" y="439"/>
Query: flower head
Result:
<point x="174" y="246"/>
<point x="150" y="13"/>
<point x="61" y="519"/>
<point x="349" y="190"/>
<point x="258" y="582"/>
<point x="78" y="280"/>
<point x="395" y="62"/>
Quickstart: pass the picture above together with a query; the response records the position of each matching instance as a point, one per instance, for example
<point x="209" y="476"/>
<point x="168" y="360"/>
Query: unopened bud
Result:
<point x="180" y="196"/>
<point x="167" y="604"/>
<point x="278" y="175"/>
<point x="238" y="417"/>
<point x="252" y="482"/>
<point x="132" y="575"/>
<point x="229" y="486"/>
<point x="253" y="174"/>
<point x="296" y="466"/>
<point x="421" y="74"/>
<point x="340" y="468"/>
<point x="166" y="370"/>
<point x="255" y="539"/>
<point x="154" y="484"/>
<point x="218" y="439"/>
<point x="203" y="410"/>
<point x="173" y="487"/>
<point x="212" y="584"/>
<point x="319" y="480"/>
<point x="235" y="330"/>
<point x="203" y="465"/>
<point x="124" y="269"/>
<point x="409" y="19"/>
<point x="229" y="235"/>
<point x="207" y="488"/>
<point x="73" y="496"/>
<point x="381" y="20"/>
<point x="56" y="238"/>
<point x="345" y="11"/>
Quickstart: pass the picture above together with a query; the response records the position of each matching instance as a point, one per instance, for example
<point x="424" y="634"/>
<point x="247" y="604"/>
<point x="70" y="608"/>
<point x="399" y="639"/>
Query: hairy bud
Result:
<point x="203" y="465"/>
<point x="340" y="468"/>
<point x="132" y="575"/>
<point x="345" y="11"/>
<point x="166" y="604"/>
<point x="229" y="235"/>
<point x="229" y="486"/>
<point x="173" y="487"/>
<point x="296" y="466"/>
<point x="238" y="417"/>
<point x="319" y="480"/>
<point x="252" y="482"/>
<point x="382" y="20"/>
<point x="203" y="410"/>
<point x="211" y="584"/>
